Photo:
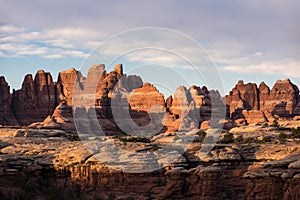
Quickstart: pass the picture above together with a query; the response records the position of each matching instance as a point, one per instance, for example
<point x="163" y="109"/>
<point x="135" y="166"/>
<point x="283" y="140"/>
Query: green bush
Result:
<point x="201" y="135"/>
<point x="295" y="133"/>
<point x="249" y="140"/>
<point x="267" y="139"/>
<point x="170" y="134"/>
<point x="282" y="137"/>
<point x="275" y="124"/>
<point x="228" y="138"/>
<point x="239" y="139"/>
<point x="126" y="139"/>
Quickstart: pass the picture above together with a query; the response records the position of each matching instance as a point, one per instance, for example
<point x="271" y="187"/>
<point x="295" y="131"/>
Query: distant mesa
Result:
<point x="43" y="103"/>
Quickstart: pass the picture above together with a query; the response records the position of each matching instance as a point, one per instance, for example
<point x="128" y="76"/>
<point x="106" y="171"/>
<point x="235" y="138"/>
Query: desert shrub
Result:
<point x="295" y="133"/>
<point x="265" y="124"/>
<point x="275" y="124"/>
<point x="249" y="140"/>
<point x="201" y="135"/>
<point x="267" y="139"/>
<point x="170" y="134"/>
<point x="228" y="138"/>
<point x="131" y="139"/>
<point x="282" y="137"/>
<point x="74" y="137"/>
<point x="239" y="139"/>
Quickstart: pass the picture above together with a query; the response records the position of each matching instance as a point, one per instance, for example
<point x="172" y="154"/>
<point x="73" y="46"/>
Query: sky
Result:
<point x="204" y="42"/>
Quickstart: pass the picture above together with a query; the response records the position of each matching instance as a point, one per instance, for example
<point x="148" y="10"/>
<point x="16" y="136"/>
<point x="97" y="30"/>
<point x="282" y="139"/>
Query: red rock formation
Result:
<point x="147" y="98"/>
<point x="62" y="118"/>
<point x="197" y="95"/>
<point x="97" y="91"/>
<point x="6" y="113"/>
<point x="66" y="81"/>
<point x="247" y="104"/>
<point x="119" y="69"/>
<point x="46" y="99"/>
<point x="282" y="100"/>
<point x="243" y="96"/>
<point x="24" y="102"/>
<point x="264" y="92"/>
<point x="181" y="101"/>
<point x="184" y="109"/>
<point x="36" y="99"/>
<point x="254" y="116"/>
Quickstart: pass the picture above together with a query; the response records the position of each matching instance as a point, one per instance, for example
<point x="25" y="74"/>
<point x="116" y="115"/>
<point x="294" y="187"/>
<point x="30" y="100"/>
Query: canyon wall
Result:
<point x="44" y="164"/>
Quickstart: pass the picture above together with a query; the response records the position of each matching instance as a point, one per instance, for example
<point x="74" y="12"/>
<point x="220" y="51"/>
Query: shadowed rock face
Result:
<point x="36" y="99"/>
<point x="6" y="113"/>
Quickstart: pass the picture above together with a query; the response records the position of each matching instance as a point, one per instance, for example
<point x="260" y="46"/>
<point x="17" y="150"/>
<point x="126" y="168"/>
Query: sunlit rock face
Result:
<point x="189" y="108"/>
<point x="282" y="101"/>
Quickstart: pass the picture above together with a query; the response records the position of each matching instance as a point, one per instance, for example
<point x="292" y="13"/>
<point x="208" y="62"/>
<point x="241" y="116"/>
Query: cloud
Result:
<point x="52" y="44"/>
<point x="235" y="33"/>
<point x="53" y="56"/>
<point x="69" y="33"/>
<point x="287" y="67"/>
<point x="60" y="43"/>
<point x="33" y="51"/>
<point x="75" y="53"/>
<point x="10" y="29"/>
<point x="7" y="39"/>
